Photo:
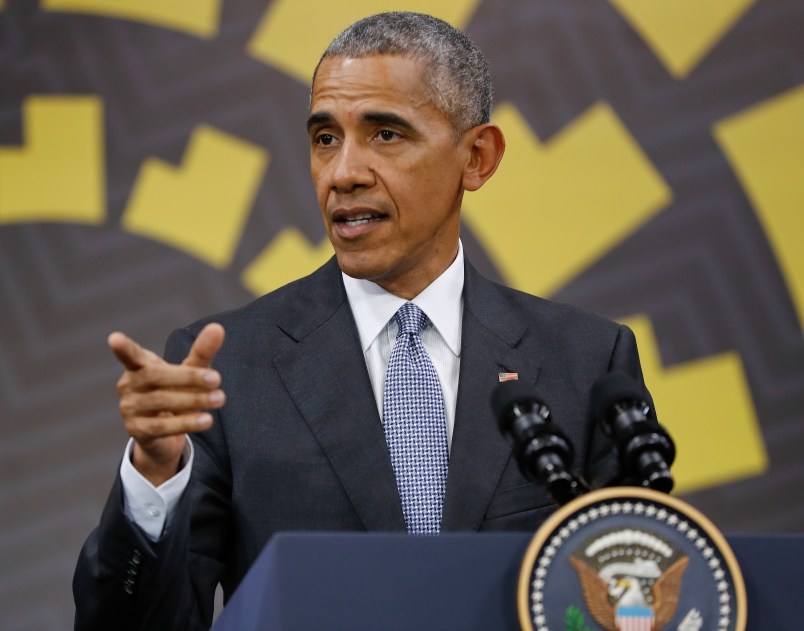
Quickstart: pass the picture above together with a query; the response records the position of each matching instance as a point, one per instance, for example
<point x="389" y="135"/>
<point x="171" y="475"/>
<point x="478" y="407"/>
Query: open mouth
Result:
<point x="359" y="220"/>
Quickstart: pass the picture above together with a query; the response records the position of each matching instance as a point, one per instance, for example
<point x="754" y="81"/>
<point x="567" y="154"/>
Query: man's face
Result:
<point x="387" y="171"/>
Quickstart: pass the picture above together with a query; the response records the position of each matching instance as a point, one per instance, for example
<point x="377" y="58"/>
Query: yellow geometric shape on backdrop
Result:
<point x="707" y="408"/>
<point x="58" y="174"/>
<point x="765" y="146"/>
<point x="292" y="34"/>
<point x="202" y="206"/>
<point x="288" y="257"/>
<point x="552" y="209"/>
<point x="682" y="32"/>
<point x="196" y="17"/>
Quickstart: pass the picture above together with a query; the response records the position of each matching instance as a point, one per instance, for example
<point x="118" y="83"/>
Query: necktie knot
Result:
<point x="411" y="319"/>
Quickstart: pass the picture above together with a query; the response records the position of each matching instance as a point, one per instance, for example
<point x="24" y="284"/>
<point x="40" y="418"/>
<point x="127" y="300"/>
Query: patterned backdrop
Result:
<point x="153" y="169"/>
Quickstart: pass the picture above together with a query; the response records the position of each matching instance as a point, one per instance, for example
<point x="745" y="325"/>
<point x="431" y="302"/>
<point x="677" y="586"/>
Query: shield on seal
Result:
<point x="634" y="618"/>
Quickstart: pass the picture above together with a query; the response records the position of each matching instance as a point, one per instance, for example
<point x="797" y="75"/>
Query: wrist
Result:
<point x="156" y="469"/>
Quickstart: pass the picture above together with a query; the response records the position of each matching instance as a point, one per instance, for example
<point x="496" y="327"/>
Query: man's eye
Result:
<point x="387" y="135"/>
<point x="325" y="139"/>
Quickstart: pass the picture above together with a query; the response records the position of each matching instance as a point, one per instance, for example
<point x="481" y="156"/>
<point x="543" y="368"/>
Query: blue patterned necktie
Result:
<point x="415" y="425"/>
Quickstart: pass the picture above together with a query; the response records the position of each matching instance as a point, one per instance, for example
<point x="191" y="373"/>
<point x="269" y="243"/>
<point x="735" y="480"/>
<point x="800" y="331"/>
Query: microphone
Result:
<point x="646" y="451"/>
<point x="543" y="452"/>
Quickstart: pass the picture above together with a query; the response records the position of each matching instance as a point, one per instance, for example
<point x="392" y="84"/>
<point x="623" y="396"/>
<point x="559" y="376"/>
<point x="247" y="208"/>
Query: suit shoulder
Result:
<point x="323" y="287"/>
<point x="560" y="314"/>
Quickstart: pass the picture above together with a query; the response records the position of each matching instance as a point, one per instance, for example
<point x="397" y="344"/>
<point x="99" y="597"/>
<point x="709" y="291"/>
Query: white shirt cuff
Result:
<point x="148" y="506"/>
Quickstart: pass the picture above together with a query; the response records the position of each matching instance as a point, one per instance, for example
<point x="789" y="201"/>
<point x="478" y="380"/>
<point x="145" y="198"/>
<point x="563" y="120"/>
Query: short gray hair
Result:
<point x="458" y="78"/>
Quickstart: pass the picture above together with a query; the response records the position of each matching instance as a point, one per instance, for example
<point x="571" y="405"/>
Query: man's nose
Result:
<point x="351" y="168"/>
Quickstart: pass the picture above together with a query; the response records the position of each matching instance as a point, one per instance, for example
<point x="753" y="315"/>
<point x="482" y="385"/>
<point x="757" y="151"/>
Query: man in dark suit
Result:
<point x="399" y="129"/>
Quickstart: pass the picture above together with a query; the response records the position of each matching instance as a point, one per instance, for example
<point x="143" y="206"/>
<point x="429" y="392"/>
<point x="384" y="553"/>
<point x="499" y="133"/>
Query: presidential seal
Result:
<point x="630" y="559"/>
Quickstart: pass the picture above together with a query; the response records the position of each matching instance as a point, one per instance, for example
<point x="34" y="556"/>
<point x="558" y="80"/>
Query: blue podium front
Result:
<point x="452" y="581"/>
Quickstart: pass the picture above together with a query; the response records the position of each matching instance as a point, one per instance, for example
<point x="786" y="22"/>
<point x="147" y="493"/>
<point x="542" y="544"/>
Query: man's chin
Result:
<point x="361" y="272"/>
<point x="361" y="266"/>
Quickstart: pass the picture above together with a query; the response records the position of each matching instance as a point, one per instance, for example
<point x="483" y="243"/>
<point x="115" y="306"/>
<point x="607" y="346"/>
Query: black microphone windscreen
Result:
<point x="509" y="393"/>
<point x="612" y="389"/>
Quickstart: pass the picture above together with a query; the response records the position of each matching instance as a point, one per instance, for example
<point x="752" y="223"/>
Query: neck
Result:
<point x="410" y="285"/>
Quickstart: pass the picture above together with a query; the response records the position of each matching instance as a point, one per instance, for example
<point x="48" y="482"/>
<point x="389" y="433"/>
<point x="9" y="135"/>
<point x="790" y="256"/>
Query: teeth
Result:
<point x="358" y="220"/>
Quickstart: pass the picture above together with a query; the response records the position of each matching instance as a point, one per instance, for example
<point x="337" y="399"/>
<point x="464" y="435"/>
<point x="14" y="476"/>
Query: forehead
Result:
<point x="370" y="81"/>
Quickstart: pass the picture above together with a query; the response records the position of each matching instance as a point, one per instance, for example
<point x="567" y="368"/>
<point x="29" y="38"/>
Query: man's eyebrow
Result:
<point x="319" y="118"/>
<point x="381" y="118"/>
<point x="387" y="118"/>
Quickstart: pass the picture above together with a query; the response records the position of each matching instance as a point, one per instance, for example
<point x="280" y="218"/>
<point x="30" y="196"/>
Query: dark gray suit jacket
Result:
<point x="299" y="444"/>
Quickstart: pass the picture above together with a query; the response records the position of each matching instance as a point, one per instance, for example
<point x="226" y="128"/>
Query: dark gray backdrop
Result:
<point x="65" y="286"/>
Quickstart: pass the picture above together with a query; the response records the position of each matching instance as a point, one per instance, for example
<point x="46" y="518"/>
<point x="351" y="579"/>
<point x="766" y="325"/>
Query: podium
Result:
<point x="450" y="581"/>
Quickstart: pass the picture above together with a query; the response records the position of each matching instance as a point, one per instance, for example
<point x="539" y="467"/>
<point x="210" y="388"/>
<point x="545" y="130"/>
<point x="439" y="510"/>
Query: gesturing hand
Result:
<point x="161" y="402"/>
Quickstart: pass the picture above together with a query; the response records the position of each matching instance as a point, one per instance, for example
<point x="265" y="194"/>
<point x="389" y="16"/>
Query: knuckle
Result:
<point x="182" y="424"/>
<point x="150" y="373"/>
<point x="158" y="400"/>
<point x="155" y="427"/>
<point x="149" y="428"/>
<point x="123" y="383"/>
<point x="127" y="407"/>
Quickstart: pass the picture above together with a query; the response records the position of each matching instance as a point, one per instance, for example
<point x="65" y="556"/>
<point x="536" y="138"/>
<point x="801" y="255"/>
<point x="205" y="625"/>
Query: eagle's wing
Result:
<point x="666" y="592"/>
<point x="595" y="594"/>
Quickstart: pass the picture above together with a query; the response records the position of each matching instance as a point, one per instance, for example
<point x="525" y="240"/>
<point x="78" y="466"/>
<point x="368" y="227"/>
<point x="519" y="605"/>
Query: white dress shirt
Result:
<point x="441" y="301"/>
<point x="373" y="309"/>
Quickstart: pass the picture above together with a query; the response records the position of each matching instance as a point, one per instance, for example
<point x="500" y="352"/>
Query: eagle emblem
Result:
<point x="631" y="580"/>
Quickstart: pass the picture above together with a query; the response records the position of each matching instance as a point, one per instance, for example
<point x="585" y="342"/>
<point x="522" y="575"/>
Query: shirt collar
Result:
<point x="441" y="301"/>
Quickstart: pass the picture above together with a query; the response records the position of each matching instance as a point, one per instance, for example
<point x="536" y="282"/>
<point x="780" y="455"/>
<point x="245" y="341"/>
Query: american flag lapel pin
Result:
<point x="508" y="376"/>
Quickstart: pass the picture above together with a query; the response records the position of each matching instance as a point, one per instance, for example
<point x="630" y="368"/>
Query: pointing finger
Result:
<point x="128" y="352"/>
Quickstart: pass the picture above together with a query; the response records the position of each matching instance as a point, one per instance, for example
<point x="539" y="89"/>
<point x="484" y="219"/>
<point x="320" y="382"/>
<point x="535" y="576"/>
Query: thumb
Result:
<point x="206" y="346"/>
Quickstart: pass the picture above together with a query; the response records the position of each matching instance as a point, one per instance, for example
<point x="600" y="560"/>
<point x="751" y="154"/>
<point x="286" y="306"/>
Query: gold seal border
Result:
<point x="548" y="528"/>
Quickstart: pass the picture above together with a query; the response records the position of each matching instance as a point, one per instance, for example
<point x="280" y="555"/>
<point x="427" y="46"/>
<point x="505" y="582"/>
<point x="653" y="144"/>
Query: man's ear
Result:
<point x="485" y="152"/>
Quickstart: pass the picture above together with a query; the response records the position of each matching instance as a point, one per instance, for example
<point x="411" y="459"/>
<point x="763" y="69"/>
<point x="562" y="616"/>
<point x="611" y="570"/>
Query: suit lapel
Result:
<point x="325" y="374"/>
<point x="490" y="337"/>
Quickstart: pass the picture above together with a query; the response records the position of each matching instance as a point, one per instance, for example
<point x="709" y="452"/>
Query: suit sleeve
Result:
<point x="125" y="581"/>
